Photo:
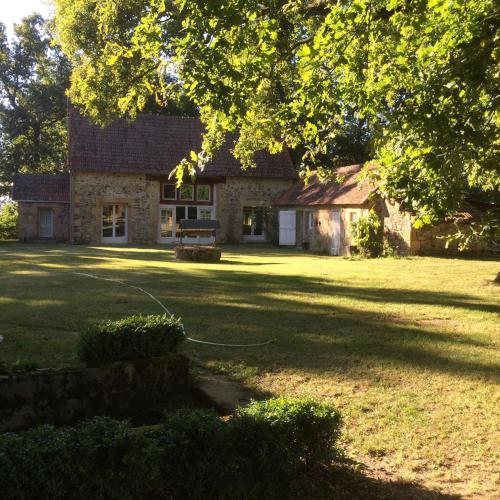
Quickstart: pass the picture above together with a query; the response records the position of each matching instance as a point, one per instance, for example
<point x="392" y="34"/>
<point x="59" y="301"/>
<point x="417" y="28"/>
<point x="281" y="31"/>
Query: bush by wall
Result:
<point x="257" y="453"/>
<point x="133" y="337"/>
<point x="367" y="235"/>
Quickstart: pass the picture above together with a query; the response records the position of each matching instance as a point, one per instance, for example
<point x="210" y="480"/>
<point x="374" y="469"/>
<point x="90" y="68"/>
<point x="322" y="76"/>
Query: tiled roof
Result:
<point x="41" y="187"/>
<point x="155" y="144"/>
<point x="317" y="192"/>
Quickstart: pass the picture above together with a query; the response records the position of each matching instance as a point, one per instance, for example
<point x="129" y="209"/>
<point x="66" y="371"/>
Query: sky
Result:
<point x="12" y="11"/>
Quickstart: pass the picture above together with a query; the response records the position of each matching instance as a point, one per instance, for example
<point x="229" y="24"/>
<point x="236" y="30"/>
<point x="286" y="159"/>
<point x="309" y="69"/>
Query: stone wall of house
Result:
<point x="89" y="191"/>
<point x="28" y="228"/>
<point x="239" y="192"/>
<point x="430" y="240"/>
<point x="397" y="224"/>
<point x="322" y="234"/>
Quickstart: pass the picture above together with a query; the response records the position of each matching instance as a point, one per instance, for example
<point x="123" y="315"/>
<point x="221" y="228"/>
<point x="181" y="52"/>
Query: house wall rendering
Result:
<point x="39" y="220"/>
<point x="236" y="198"/>
<point x="91" y="193"/>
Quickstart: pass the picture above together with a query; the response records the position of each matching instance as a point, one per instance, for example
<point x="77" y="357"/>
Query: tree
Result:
<point x="33" y="79"/>
<point x="421" y="75"/>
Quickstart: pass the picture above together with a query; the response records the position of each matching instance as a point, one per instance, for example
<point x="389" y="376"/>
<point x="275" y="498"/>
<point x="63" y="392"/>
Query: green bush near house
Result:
<point x="366" y="232"/>
<point x="19" y="366"/>
<point x="133" y="337"/>
<point x="256" y="453"/>
<point x="8" y="221"/>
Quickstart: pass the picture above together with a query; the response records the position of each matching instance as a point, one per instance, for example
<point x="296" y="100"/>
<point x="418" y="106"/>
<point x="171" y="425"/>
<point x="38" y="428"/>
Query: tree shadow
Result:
<point x="350" y="481"/>
<point x="237" y="306"/>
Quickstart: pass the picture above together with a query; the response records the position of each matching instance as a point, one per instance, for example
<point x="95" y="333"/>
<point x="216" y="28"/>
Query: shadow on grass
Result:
<point x="346" y="331"/>
<point x="347" y="482"/>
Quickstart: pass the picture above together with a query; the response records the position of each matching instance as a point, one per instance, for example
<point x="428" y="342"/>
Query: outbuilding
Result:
<point x="43" y="206"/>
<point x="316" y="214"/>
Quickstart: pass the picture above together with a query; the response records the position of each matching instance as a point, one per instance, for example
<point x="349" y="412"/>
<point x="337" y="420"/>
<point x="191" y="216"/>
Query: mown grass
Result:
<point x="407" y="349"/>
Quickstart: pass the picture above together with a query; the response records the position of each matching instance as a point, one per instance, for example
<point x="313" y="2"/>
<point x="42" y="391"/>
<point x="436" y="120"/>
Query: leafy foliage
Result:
<point x="133" y="337"/>
<point x="194" y="455"/>
<point x="421" y="76"/>
<point x="485" y="231"/>
<point x="366" y="232"/>
<point x="8" y="221"/>
<point x="34" y="75"/>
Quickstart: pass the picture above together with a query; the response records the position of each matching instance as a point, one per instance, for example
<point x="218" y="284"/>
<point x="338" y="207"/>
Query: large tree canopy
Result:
<point x="421" y="75"/>
<point x="34" y="77"/>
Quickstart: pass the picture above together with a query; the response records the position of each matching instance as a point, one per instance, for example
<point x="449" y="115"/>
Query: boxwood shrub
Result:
<point x="256" y="453"/>
<point x="133" y="337"/>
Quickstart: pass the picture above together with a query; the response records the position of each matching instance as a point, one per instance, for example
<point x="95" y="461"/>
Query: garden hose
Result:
<point x="150" y="295"/>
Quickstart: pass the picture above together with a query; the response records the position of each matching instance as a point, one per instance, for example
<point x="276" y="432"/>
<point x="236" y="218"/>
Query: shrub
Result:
<point x="257" y="453"/>
<point x="276" y="438"/>
<point x="98" y="459"/>
<point x="19" y="366"/>
<point x="367" y="235"/>
<point x="133" y="337"/>
<point x="8" y="221"/>
<point x="195" y="459"/>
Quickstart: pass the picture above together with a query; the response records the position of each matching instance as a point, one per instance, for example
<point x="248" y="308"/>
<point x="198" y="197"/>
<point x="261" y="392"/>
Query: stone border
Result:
<point x="65" y="395"/>
<point x="198" y="253"/>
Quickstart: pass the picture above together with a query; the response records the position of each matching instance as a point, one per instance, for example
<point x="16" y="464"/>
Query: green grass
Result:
<point x="407" y="349"/>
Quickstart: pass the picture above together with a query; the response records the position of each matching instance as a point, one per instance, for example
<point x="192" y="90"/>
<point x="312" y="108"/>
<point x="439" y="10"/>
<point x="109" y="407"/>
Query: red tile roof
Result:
<point x="317" y="192"/>
<point x="155" y="144"/>
<point x="41" y="187"/>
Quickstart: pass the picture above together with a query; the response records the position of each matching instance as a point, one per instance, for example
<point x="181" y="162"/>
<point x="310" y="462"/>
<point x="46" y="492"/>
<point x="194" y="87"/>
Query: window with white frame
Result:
<point x="169" y="191"/>
<point x="203" y="192"/>
<point x="205" y="213"/>
<point x="186" y="192"/>
<point x="310" y="220"/>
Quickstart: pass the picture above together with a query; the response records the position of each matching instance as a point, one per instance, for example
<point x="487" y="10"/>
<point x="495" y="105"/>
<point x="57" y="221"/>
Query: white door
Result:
<point x="114" y="223"/>
<point x="46" y="223"/>
<point x="167" y="224"/>
<point x="335" y="218"/>
<point x="254" y="224"/>
<point x="287" y="227"/>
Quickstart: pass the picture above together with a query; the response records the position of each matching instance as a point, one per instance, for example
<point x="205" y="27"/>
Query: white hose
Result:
<point x="168" y="312"/>
<point x="151" y="296"/>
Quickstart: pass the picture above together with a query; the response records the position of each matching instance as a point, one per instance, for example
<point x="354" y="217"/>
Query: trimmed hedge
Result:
<point x="257" y="453"/>
<point x="130" y="338"/>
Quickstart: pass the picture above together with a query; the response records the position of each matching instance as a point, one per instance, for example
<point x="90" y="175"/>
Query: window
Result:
<point x="192" y="213"/>
<point x="310" y="220"/>
<point x="203" y="192"/>
<point x="253" y="223"/>
<point x="186" y="192"/>
<point x="169" y="191"/>
<point x="114" y="223"/>
<point x="166" y="222"/>
<point x="205" y="214"/>
<point x="180" y="213"/>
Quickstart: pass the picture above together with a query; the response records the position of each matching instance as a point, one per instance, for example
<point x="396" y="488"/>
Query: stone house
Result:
<point x="43" y="206"/>
<point x="118" y="188"/>
<point x="317" y="215"/>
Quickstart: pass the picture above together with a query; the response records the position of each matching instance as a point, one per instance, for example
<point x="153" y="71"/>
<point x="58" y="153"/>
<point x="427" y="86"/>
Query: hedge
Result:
<point x="133" y="337"/>
<point x="257" y="453"/>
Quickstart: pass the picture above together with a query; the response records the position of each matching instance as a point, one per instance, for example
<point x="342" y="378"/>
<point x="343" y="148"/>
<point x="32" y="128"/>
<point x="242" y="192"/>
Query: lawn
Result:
<point x="407" y="349"/>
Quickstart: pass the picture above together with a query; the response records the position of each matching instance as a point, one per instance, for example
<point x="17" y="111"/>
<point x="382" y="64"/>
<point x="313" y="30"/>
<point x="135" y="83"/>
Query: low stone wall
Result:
<point x="198" y="253"/>
<point x="61" y="396"/>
